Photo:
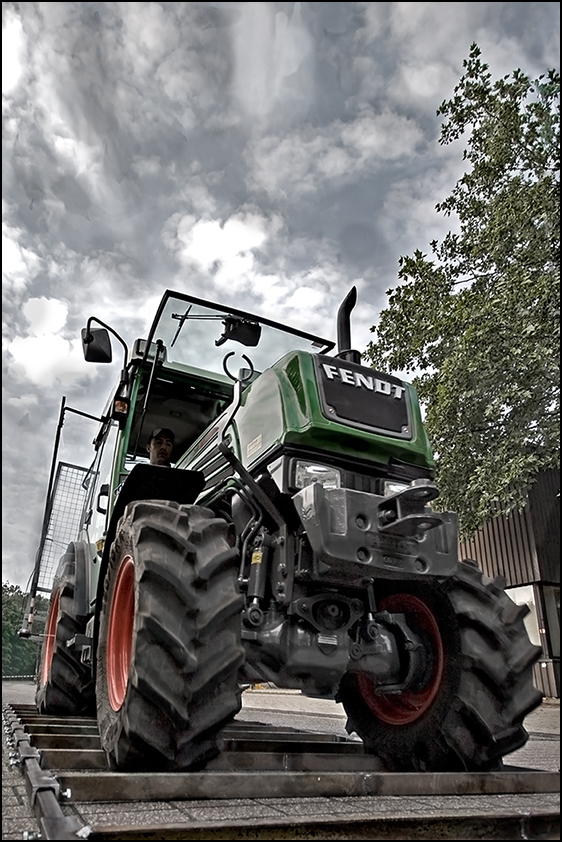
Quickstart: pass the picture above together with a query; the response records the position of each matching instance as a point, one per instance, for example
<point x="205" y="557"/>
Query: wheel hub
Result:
<point x="416" y="698"/>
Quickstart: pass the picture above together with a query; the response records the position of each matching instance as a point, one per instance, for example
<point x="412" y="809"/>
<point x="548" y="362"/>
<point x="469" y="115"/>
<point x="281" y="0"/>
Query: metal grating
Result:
<point x="67" y="503"/>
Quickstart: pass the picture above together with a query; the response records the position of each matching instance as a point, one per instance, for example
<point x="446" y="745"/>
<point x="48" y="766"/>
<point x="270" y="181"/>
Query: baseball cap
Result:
<point x="162" y="431"/>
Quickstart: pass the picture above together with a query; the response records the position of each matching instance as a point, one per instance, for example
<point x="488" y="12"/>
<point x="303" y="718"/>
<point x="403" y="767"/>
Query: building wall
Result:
<point x="505" y="546"/>
<point x="524" y="547"/>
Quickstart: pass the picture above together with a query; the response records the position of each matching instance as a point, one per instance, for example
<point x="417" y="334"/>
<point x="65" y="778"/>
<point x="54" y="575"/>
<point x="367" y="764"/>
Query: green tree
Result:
<point x="476" y="323"/>
<point x="19" y="656"/>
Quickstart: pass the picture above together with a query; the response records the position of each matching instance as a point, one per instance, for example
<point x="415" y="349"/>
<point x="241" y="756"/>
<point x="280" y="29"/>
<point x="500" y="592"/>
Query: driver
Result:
<point x="160" y="446"/>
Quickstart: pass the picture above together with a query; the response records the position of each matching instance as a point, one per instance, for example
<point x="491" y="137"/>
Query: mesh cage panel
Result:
<point x="64" y="521"/>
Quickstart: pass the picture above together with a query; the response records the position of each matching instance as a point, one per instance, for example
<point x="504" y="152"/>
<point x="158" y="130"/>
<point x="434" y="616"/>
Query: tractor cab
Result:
<point x="182" y="376"/>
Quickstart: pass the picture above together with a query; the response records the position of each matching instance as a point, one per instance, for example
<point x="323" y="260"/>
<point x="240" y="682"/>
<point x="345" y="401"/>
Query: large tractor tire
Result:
<point x="65" y="685"/>
<point x="169" y="646"/>
<point x="466" y="713"/>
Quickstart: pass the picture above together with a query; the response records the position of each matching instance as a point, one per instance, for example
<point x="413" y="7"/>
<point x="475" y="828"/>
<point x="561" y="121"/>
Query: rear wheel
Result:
<point x="466" y="712"/>
<point x="65" y="685"/>
<point x="169" y="643"/>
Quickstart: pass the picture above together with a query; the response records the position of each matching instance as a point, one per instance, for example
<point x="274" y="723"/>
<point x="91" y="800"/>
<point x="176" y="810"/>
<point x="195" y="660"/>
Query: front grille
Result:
<point x="362" y="397"/>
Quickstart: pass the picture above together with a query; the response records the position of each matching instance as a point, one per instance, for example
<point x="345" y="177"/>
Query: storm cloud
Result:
<point x="265" y="155"/>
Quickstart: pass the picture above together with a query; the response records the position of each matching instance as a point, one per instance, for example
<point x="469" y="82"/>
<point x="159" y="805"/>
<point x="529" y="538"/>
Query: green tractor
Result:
<point x="293" y="542"/>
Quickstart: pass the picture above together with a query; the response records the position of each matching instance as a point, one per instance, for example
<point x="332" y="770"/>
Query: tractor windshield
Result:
<point x="199" y="333"/>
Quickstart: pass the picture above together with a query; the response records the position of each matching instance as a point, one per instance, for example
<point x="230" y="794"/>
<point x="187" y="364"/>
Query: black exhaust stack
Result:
<point x="345" y="351"/>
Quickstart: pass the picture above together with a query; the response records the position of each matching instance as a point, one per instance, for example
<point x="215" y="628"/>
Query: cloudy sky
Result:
<point x="265" y="155"/>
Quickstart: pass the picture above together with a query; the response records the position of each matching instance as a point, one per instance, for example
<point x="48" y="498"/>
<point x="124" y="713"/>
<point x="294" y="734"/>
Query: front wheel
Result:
<point x="169" y="645"/>
<point x="466" y="712"/>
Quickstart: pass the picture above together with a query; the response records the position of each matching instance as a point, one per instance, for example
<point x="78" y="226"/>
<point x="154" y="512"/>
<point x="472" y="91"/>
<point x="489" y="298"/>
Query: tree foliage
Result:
<point x="19" y="656"/>
<point x="476" y="322"/>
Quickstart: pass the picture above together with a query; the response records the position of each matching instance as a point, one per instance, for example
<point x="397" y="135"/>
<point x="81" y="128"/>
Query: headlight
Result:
<point x="393" y="487"/>
<point x="305" y="473"/>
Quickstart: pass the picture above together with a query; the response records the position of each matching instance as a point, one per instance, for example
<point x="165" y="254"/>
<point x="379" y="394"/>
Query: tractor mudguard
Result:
<point x="154" y="482"/>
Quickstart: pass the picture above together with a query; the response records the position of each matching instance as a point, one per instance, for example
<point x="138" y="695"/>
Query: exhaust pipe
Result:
<point x="345" y="351"/>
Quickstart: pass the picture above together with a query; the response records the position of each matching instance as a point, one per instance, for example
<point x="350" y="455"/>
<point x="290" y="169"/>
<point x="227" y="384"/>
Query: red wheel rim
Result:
<point x="406" y="707"/>
<point x="50" y="637"/>
<point x="120" y="633"/>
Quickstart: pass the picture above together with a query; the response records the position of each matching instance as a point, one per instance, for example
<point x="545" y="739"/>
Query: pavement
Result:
<point x="289" y="708"/>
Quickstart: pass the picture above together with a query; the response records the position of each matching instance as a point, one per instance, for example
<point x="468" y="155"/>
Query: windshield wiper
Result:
<point x="182" y="320"/>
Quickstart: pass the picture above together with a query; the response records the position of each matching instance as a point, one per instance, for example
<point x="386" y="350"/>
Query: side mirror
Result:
<point x="96" y="345"/>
